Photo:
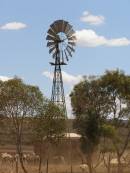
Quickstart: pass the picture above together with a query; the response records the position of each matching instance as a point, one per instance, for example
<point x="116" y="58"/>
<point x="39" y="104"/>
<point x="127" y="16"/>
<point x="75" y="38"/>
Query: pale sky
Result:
<point x="103" y="36"/>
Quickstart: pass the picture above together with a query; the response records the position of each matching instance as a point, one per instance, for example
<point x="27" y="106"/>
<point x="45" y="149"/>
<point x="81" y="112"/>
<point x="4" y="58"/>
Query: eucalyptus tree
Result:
<point x="19" y="101"/>
<point x="48" y="128"/>
<point x="117" y="85"/>
<point x="100" y="103"/>
<point x="90" y="107"/>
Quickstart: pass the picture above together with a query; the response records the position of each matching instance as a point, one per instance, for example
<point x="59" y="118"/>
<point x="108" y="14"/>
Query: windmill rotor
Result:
<point x="61" y="40"/>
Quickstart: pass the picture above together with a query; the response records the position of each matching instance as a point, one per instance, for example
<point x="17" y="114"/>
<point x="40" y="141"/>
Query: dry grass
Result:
<point x="55" y="169"/>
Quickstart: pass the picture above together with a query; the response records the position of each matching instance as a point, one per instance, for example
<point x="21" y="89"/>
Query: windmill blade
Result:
<point x="51" y="49"/>
<point x="70" y="33"/>
<point x="69" y="52"/>
<point x="66" y="56"/>
<point x="65" y="25"/>
<point x="59" y="24"/>
<point x="50" y="44"/>
<point x="71" y="48"/>
<point x="52" y="33"/>
<point x="49" y="37"/>
<point x="72" y="38"/>
<point x="72" y="43"/>
<point x="68" y="27"/>
<point x="55" y="26"/>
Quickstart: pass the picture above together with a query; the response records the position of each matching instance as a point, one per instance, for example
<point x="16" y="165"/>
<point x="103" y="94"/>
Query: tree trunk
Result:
<point x="40" y="164"/>
<point x="20" y="154"/>
<point x="40" y="159"/>
<point x="16" y="162"/>
<point x="108" y="169"/>
<point x="109" y="164"/>
<point x="47" y="166"/>
<point x="22" y="164"/>
<point x="119" y="168"/>
<point x="71" y="168"/>
<point x="90" y="167"/>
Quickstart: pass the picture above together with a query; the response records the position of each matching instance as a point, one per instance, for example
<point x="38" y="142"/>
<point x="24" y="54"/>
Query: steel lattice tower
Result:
<point x="57" y="95"/>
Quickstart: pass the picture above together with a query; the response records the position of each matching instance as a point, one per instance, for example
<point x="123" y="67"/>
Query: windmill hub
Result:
<point x="61" y="42"/>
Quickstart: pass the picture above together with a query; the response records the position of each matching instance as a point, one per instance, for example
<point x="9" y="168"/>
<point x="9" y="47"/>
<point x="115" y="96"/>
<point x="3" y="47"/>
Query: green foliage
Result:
<point x="116" y="81"/>
<point x="89" y="94"/>
<point x="109" y="131"/>
<point x="90" y="106"/>
<point x="89" y="127"/>
<point x="102" y="110"/>
<point x="19" y="99"/>
<point x="50" y="124"/>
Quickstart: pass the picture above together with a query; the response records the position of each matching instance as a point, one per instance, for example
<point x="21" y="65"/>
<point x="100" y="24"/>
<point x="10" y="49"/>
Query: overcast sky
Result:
<point x="103" y="39"/>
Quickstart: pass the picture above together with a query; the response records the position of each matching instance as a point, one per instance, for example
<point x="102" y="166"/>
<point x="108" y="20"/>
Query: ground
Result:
<point x="10" y="167"/>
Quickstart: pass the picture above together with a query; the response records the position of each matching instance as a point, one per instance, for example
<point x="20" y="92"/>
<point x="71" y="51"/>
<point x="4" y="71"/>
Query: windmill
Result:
<point x="61" y="42"/>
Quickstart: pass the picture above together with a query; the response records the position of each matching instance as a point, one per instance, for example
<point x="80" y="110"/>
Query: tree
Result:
<point x="117" y="85"/>
<point x="102" y="100"/>
<point x="48" y="127"/>
<point x="89" y="102"/>
<point x="17" y="102"/>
